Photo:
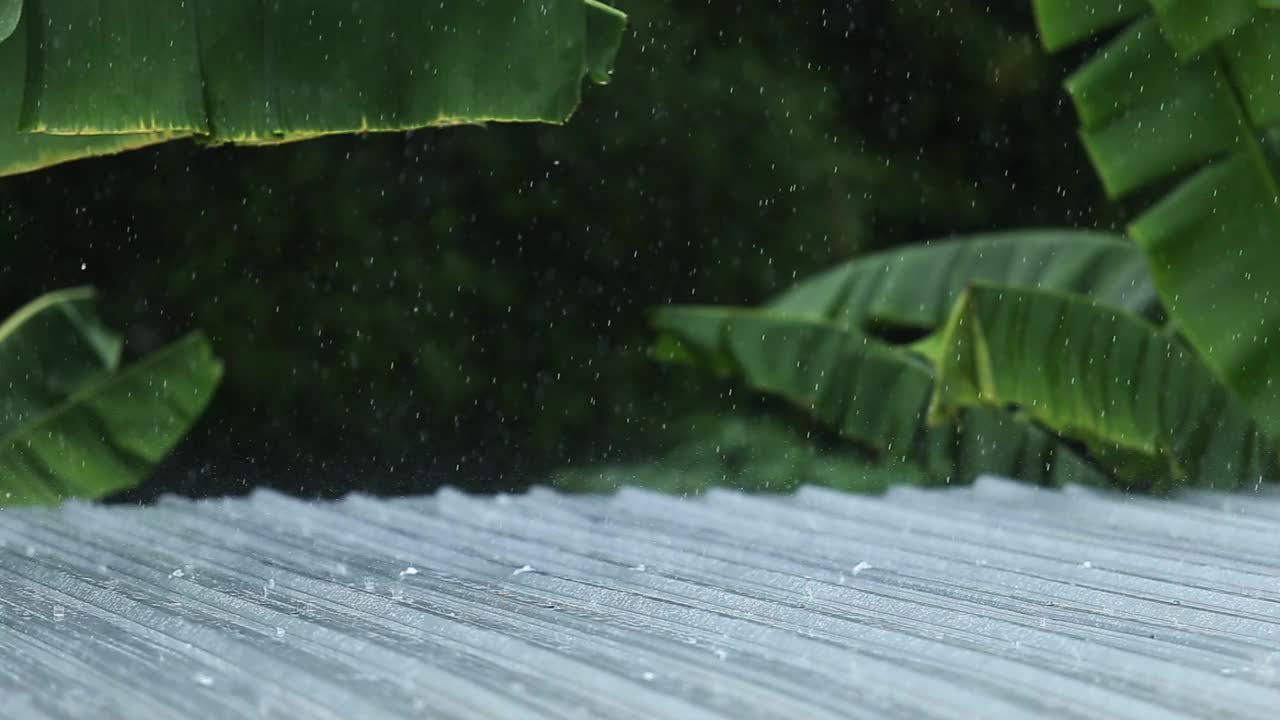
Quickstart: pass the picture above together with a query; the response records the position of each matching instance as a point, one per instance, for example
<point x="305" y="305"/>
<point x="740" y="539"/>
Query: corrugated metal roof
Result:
<point x="994" y="601"/>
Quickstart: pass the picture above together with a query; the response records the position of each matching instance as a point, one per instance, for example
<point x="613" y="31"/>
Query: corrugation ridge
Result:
<point x="1261" y="505"/>
<point x="242" y="602"/>
<point x="1050" y="524"/>
<point x="178" y="627"/>
<point x="413" y="590"/>
<point x="608" y="582"/>
<point x="1151" y="636"/>
<point x="978" y="542"/>
<point x="869" y="573"/>
<point x="992" y="487"/>
<point x="996" y="577"/>
<point x="1110" y="526"/>
<point x="61" y="684"/>
<point x="466" y="561"/>
<point x="147" y="642"/>
<point x="1021" y="601"/>
<point x="836" y="613"/>
<point x="376" y="599"/>
<point x="503" y="571"/>
<point x="1205" y="521"/>
<point x="597" y="588"/>
<point x="807" y="537"/>
<point x="1040" y="541"/>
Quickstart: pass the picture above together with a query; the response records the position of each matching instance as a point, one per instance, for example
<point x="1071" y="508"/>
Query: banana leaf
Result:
<point x="860" y="387"/>
<point x="1193" y="25"/>
<point x="1190" y="91"/>
<point x="124" y="74"/>
<point x="1189" y="26"/>
<point x="868" y="391"/>
<point x="1062" y="24"/>
<point x="604" y="35"/>
<point x="915" y="287"/>
<point x="815" y="346"/>
<point x="49" y="349"/>
<point x="23" y="152"/>
<point x="1137" y="399"/>
<point x="71" y="423"/>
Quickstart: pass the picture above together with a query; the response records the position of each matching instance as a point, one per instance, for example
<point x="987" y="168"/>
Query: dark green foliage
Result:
<point x="72" y="422"/>
<point x="1033" y="364"/>
<point x="1141" y="402"/>
<point x="474" y="302"/>
<point x="85" y="79"/>
<point x="1185" y="101"/>
<point x="828" y="347"/>
<point x="1184" y="88"/>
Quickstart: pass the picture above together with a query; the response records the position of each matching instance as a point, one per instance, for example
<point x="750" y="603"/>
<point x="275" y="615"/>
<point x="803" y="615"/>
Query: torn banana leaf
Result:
<point x="1143" y="404"/>
<point x="914" y="287"/>
<point x="119" y="75"/>
<point x="867" y="391"/>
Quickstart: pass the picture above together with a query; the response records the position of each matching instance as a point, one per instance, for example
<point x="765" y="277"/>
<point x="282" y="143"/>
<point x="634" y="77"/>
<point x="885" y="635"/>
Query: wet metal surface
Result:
<point x="996" y="601"/>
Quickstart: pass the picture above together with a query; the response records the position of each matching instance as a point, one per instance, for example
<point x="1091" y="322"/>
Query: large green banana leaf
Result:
<point x="860" y="386"/>
<point x="868" y="391"/>
<point x="1193" y="89"/>
<point x="71" y="424"/>
<point x="1189" y="25"/>
<point x="1140" y="401"/>
<point x="1043" y="344"/>
<point x="128" y="73"/>
<point x="22" y="152"/>
<point x="915" y="287"/>
<point x="813" y="345"/>
<point x="1063" y="24"/>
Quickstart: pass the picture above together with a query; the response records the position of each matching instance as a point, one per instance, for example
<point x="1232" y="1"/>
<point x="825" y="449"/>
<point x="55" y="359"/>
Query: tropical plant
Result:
<point x="1185" y="99"/>
<point x="73" y="423"/>
<point x="484" y="232"/>
<point x="1040" y="355"/>
<point x="1144" y="364"/>
<point x="100" y="78"/>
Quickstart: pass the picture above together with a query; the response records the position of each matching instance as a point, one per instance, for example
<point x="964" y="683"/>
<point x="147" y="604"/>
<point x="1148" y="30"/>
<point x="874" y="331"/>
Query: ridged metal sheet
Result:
<point x="994" y="601"/>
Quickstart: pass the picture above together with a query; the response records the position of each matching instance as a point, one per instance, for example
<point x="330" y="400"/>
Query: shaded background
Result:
<point x="469" y="305"/>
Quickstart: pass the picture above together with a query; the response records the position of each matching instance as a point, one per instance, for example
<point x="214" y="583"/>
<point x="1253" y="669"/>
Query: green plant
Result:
<point x="99" y="78"/>
<point x="768" y="123"/>
<point x="1040" y="355"/>
<point x="1185" y="101"/>
<point x="73" y="423"/>
<point x="1067" y="336"/>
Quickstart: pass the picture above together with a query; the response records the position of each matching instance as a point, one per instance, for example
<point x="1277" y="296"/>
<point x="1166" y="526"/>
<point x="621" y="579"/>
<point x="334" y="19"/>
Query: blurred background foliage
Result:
<point x="470" y="306"/>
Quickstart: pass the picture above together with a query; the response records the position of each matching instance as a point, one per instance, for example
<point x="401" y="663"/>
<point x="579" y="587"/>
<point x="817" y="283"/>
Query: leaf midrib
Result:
<point x="95" y="387"/>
